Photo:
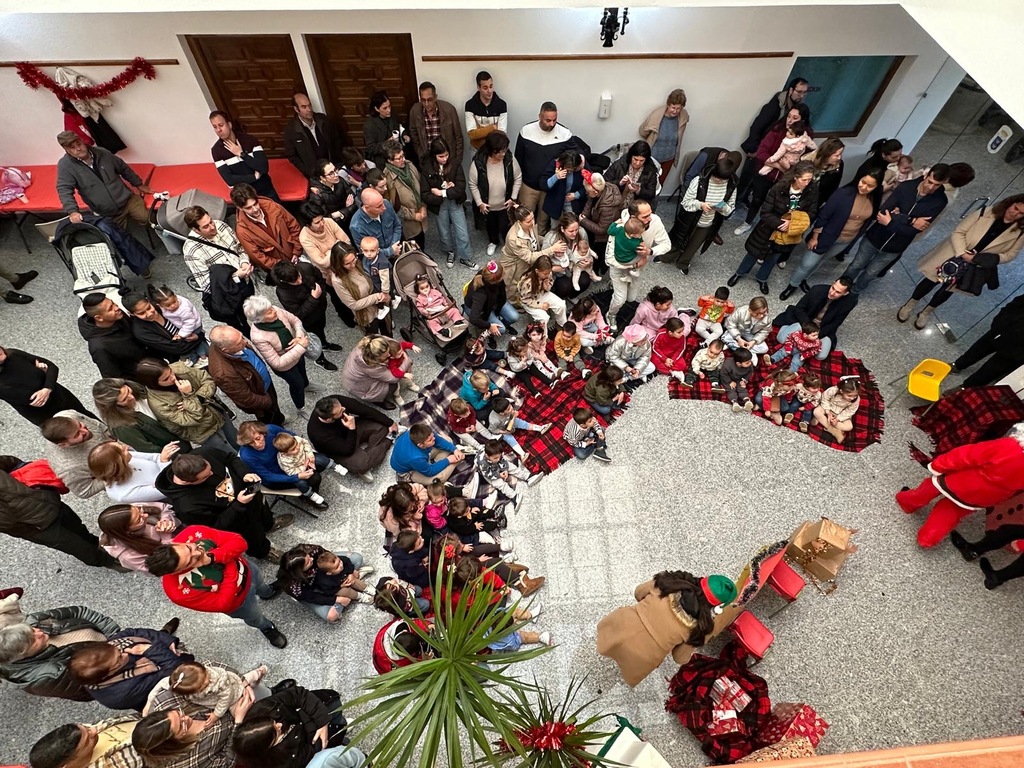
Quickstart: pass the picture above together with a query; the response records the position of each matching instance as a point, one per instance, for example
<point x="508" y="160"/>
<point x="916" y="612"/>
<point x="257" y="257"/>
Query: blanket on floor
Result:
<point x="966" y="416"/>
<point x="867" y="423"/>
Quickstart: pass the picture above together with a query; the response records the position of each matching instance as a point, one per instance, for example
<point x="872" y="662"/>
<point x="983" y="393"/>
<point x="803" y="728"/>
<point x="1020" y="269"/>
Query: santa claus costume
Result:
<point x="968" y="478"/>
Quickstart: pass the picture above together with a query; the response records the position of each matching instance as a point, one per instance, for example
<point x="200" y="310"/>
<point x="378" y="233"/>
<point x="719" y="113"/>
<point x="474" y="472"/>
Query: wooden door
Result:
<point x="349" y="68"/>
<point x="252" y="78"/>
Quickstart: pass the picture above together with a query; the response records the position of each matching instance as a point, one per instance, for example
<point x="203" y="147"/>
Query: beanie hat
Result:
<point x="635" y="333"/>
<point x="719" y="591"/>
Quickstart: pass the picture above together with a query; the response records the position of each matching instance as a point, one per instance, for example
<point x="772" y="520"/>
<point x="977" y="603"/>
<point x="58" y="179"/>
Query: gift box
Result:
<point x="790" y="749"/>
<point x="821" y="548"/>
<point x="724" y="720"/>
<point x="788" y="721"/>
<point x="728" y="694"/>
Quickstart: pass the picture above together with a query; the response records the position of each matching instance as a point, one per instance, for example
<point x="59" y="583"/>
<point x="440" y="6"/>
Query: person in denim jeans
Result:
<point x="585" y="436"/>
<point x="487" y="305"/>
<point x="444" y="192"/>
<point x="325" y="582"/>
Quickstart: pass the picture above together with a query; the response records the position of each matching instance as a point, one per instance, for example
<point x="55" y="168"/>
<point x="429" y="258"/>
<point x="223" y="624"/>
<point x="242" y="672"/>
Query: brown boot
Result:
<point x="518" y="568"/>
<point x="528" y="586"/>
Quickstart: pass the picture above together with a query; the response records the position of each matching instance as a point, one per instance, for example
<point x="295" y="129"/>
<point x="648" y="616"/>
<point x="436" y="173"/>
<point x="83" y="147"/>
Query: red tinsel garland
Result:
<point x="34" y="77"/>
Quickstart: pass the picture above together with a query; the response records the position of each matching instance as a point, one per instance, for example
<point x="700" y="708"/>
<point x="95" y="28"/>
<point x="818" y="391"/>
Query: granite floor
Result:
<point x="910" y="649"/>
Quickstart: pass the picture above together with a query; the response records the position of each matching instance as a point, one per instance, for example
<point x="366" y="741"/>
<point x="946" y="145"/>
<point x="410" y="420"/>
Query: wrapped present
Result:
<point x="788" y="721"/>
<point x="790" y="749"/>
<point x="727" y="693"/>
<point x="724" y="721"/>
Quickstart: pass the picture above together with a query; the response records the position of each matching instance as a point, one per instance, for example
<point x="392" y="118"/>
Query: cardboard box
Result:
<point x="821" y="548"/>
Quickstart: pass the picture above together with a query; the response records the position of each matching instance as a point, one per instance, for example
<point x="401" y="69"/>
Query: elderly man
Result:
<point x="211" y="242"/>
<point x="310" y="136"/>
<point x="826" y="305"/>
<point x="267" y="232"/>
<point x="539" y="143"/>
<point x="654" y="242"/>
<point x="108" y="333"/>
<point x="486" y="112"/>
<point x="355" y="435"/>
<point x="70" y="436"/>
<point x="28" y="384"/>
<point x="242" y="375"/>
<point x="434" y="119"/>
<point x="100" y="179"/>
<point x="376" y="218"/>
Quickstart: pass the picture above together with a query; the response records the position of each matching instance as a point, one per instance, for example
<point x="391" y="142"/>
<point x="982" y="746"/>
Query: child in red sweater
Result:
<point x="798" y="346"/>
<point x="397" y="364"/>
<point x="468" y="430"/>
<point x="669" y="346"/>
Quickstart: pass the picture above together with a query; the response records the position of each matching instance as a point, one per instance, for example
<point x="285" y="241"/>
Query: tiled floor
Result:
<point x="910" y="649"/>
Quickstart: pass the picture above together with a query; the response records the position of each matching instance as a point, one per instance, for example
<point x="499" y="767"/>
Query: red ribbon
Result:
<point x="35" y="78"/>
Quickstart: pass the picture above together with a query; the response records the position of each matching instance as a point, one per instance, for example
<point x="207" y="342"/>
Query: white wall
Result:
<point x="164" y="121"/>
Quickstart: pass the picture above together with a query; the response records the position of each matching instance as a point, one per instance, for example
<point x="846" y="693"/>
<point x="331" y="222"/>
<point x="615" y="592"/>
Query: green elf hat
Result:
<point x="720" y="591"/>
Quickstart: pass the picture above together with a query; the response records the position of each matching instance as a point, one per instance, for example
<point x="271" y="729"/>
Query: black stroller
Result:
<point x="451" y="336"/>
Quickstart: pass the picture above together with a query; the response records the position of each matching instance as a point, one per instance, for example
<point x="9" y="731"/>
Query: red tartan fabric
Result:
<point x="867" y="423"/>
<point x="967" y="416"/>
<point x="690" y="700"/>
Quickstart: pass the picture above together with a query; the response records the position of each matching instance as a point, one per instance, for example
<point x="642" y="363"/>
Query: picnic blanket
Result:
<point x="966" y="416"/>
<point x="867" y="423"/>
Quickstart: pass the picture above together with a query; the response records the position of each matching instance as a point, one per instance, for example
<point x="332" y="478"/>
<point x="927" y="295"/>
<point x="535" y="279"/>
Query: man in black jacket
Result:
<point x="29" y="385"/>
<point x="109" y="335"/>
<point x="826" y="305"/>
<point x="310" y="136"/>
<point x="301" y="291"/>
<point x="214" y="488"/>
<point x="777" y="106"/>
<point x="355" y="435"/>
<point x="1004" y="341"/>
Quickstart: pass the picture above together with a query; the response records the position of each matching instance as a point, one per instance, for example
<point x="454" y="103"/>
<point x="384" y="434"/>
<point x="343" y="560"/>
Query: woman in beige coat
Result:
<point x="184" y="400"/>
<point x="522" y="249"/>
<point x="660" y="124"/>
<point x="674" y="609"/>
<point x="404" y="193"/>
<point x="984" y="240"/>
<point x="281" y="341"/>
<point x="355" y="289"/>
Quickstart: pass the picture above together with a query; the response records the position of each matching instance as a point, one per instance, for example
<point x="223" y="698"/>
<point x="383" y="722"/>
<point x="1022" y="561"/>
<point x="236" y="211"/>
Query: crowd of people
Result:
<point x="187" y="437"/>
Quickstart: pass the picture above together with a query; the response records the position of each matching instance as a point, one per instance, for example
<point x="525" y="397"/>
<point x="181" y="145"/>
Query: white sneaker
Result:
<point x="742" y="229"/>
<point x="679" y="375"/>
<point x="383" y="312"/>
<point x="536" y="608"/>
<point x="365" y="571"/>
<point x="396" y="302"/>
<point x="546" y="639"/>
<point x="365" y="598"/>
<point x="507" y="545"/>
<point x="586" y="372"/>
<point x="518" y="499"/>
<point x="534" y="479"/>
<point x="588" y="350"/>
<point x="491" y="500"/>
<point x="491" y="248"/>
<point x="412" y="386"/>
<point x="340" y="469"/>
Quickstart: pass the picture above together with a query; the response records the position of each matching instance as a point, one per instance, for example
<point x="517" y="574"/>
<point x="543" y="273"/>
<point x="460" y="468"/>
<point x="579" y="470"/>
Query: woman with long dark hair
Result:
<point x="635" y="174"/>
<point x="444" y="190"/>
<point x="883" y="153"/>
<point x="828" y="167"/>
<point x="288" y="728"/>
<point x="380" y="126"/>
<point x="122" y="406"/>
<point x="130" y="532"/>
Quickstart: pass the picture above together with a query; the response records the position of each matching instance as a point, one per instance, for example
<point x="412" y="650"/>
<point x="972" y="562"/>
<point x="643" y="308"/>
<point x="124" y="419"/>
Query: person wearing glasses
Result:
<point x="433" y="119"/>
<point x="337" y="198"/>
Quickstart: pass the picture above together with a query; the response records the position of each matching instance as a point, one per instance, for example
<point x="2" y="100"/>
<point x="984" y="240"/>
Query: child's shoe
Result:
<point x="601" y="454"/>
<point x="383" y="312"/>
<point x="803" y="426"/>
<point x="534" y="479"/>
<point x="776" y="417"/>
<point x="680" y="377"/>
<point x="749" y="406"/>
<point x="766" y="359"/>
<point x="588" y="350"/>
<point x="718" y="389"/>
<point x="507" y="545"/>
<point x="545" y="428"/>
<point x="585" y="372"/>
<point x="576" y="281"/>
<point x="736" y="408"/>
<point x="788" y="418"/>
<point x="594" y="277"/>
<point x="490" y="500"/>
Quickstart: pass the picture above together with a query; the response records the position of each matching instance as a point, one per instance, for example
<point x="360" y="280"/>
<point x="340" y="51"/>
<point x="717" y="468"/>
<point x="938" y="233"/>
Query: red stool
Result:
<point x="786" y="582"/>
<point x="754" y="636"/>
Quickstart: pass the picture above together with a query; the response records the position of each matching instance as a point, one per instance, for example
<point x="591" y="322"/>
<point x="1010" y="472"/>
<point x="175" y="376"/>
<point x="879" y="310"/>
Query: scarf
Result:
<point x="278" y="327"/>
<point x="405" y="176"/>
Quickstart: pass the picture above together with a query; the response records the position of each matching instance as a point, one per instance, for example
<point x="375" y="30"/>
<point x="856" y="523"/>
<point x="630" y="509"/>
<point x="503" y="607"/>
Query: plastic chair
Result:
<point x="786" y="583"/>
<point x="750" y="633"/>
<point x="926" y="379"/>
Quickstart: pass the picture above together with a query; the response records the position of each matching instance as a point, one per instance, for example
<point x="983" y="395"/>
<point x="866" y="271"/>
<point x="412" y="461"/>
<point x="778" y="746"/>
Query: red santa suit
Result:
<point x="967" y="478"/>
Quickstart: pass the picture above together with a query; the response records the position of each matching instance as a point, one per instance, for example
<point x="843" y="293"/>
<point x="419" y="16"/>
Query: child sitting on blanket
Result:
<point x="568" y="347"/>
<point x="808" y="394"/>
<point x="593" y="330"/>
<point x="477" y="355"/>
<point x="798" y="346"/>
<point x="463" y="423"/>
<point x="712" y="311"/>
<point x="468" y="521"/>
<point x="477" y="390"/>
<point x="669" y="346"/>
<point x="838" y="406"/>
<point x="443" y="319"/>
<point x="778" y="396"/>
<point x="707" y="364"/>
<point x="504" y="420"/>
<point x="735" y="377"/>
<point x="436" y="509"/>
<point x="537" y="349"/>
<point x="502" y="474"/>
<point x="397" y="357"/>
<point x="524" y="368"/>
<point x="585" y="436"/>
<point x="604" y="391"/>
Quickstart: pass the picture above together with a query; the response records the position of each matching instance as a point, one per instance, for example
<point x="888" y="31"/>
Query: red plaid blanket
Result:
<point x="966" y="416"/>
<point x="867" y="423"/>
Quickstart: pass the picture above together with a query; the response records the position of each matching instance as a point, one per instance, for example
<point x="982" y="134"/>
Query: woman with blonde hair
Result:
<point x="129" y="476"/>
<point x="827" y="160"/>
<point x="122" y="406"/>
<point x="663" y="130"/>
<point x="366" y="375"/>
<point x="355" y="289"/>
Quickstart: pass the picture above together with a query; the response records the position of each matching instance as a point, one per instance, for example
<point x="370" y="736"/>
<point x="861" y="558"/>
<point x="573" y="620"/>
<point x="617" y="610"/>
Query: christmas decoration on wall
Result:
<point x="35" y="78"/>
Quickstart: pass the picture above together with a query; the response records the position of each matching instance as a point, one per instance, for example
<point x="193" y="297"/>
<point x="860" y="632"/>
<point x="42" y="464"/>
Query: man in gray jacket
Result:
<point x="100" y="178"/>
<point x="70" y="436"/>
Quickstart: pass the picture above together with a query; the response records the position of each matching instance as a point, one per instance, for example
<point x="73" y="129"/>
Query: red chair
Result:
<point x="754" y="636"/>
<point x="786" y="582"/>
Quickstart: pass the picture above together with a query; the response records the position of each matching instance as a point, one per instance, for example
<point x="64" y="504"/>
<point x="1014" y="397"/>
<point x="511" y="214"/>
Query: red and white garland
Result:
<point x="35" y="78"/>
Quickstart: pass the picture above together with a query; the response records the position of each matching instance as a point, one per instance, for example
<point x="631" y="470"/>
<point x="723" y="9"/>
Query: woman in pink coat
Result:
<point x="281" y="340"/>
<point x="132" y="531"/>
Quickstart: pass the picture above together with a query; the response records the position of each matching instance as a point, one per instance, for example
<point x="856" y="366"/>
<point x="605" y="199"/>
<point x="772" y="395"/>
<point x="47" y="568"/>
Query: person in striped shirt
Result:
<point x="585" y="436"/>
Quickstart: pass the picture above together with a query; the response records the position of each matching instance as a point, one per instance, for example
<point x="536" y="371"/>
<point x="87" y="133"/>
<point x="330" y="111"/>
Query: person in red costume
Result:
<point x="968" y="478"/>
<point x="206" y="570"/>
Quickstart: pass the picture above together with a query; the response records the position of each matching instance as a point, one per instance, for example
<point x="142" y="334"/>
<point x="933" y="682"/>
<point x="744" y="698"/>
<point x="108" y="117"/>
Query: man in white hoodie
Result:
<point x="538" y="144"/>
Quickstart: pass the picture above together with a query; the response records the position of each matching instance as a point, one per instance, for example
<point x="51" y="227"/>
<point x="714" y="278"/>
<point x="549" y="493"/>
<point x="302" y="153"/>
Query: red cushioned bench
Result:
<point x="291" y="185"/>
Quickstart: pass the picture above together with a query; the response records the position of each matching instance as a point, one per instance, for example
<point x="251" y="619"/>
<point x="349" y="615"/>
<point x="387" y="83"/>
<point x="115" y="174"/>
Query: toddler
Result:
<point x="735" y="377"/>
<point x="377" y="269"/>
<point x="436" y="508"/>
<point x="669" y="347"/>
<point x="593" y="330"/>
<point x="400" y="364"/>
<point x="477" y="355"/>
<point x="712" y="311"/>
<point x="585" y="436"/>
<point x="295" y="454"/>
<point x="443" y="319"/>
<point x="798" y="346"/>
<point x="339" y="575"/>
<point x="625" y="239"/>
<point x="808" y="395"/>
<point x="537" y="349"/>
<point x="395" y="596"/>
<point x="581" y="255"/>
<point x="477" y="390"/>
<point x="838" y="406"/>
<point x="568" y="346"/>
<point x="468" y="522"/>
<point x="180" y="311"/>
<point x="504" y="420"/>
<point x="213" y="687"/>
<point x="463" y="423"/>
<point x="707" y="364"/>
<point x="502" y="474"/>
<point x="796" y="144"/>
<point x="524" y="369"/>
<point x="13" y="183"/>
<point x="778" y="397"/>
<point x="632" y="353"/>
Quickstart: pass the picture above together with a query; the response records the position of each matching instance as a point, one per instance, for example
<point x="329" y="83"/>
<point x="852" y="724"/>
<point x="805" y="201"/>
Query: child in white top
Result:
<point x="183" y="313"/>
<point x="581" y="253"/>
<point x="537" y="349"/>
<point x="443" y="319"/>
<point x="213" y="687"/>
<point x="796" y="144"/>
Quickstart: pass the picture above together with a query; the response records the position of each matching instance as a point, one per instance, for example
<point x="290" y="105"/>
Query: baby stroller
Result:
<point x="90" y="256"/>
<point x="404" y="272"/>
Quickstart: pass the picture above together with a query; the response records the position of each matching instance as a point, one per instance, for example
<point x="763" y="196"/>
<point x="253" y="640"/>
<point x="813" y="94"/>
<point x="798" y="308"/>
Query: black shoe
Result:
<point x="24" y="278"/>
<point x="275" y="590"/>
<point x="732" y="280"/>
<point x="969" y="552"/>
<point x="840" y="257"/>
<point x="13" y="297"/>
<point x="492" y="342"/>
<point x="602" y="455"/>
<point x="332" y="347"/>
<point x="451" y="259"/>
<point x="991" y="579"/>
<point x="511" y="330"/>
<point x="469" y="263"/>
<point x="171" y="627"/>
<point x="763" y="286"/>
<point x="790" y="290"/>
<point x="326" y="364"/>
<point x="804" y="286"/>
<point x="389" y="404"/>
<point x="275" y="637"/>
<point x="282" y="521"/>
<point x="685" y="270"/>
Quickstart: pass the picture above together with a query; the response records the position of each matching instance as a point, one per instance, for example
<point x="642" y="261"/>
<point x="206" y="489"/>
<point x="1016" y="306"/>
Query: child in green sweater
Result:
<point x="625" y="239"/>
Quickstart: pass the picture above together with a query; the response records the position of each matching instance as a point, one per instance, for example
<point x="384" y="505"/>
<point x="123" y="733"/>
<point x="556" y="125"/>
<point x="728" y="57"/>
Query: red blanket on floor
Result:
<point x="867" y="423"/>
<point x="967" y="416"/>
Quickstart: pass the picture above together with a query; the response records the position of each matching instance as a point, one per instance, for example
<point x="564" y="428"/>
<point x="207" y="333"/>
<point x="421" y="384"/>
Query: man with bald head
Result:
<point x="242" y="375"/>
<point x="376" y="219"/>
